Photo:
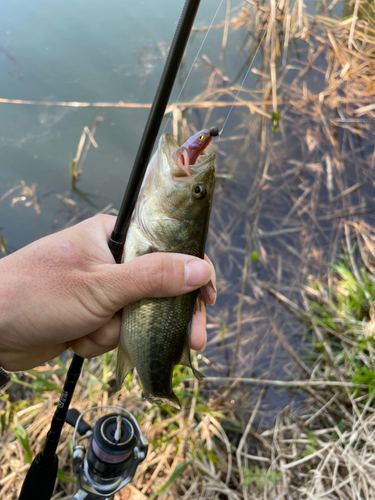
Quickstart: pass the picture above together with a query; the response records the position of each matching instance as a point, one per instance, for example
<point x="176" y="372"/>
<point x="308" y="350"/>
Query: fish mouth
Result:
<point x="170" y="146"/>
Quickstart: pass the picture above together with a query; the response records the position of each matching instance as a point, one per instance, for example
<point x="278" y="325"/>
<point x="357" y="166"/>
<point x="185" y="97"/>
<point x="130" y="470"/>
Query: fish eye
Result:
<point x="201" y="137"/>
<point x="199" y="191"/>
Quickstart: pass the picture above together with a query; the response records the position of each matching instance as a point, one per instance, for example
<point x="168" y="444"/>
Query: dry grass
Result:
<point x="283" y="412"/>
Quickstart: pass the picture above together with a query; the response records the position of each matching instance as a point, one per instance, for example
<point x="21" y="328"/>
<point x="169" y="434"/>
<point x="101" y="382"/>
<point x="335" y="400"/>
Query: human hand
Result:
<point x="65" y="290"/>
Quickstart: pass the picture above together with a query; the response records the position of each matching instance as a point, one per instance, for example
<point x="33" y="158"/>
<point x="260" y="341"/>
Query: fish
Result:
<point x="171" y="215"/>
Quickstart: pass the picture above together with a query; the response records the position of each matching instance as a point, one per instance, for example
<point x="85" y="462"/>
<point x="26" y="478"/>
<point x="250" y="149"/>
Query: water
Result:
<point x="74" y="51"/>
<point x="69" y="51"/>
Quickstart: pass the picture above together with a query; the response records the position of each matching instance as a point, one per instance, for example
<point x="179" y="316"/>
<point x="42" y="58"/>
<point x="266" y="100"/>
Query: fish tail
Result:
<point x="158" y="400"/>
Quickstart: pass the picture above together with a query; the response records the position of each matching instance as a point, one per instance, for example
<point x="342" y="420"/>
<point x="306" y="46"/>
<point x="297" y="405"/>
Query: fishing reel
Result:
<point x="110" y="459"/>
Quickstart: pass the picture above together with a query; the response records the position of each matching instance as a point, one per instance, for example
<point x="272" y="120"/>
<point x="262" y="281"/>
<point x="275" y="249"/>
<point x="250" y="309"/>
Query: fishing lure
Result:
<point x="188" y="153"/>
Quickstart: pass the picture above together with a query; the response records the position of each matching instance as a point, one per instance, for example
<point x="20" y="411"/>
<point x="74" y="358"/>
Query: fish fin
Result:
<point x="210" y="285"/>
<point x="204" y="293"/>
<point x="158" y="400"/>
<point x="203" y="296"/>
<point x="186" y="360"/>
<point x="124" y="365"/>
<point x="198" y="304"/>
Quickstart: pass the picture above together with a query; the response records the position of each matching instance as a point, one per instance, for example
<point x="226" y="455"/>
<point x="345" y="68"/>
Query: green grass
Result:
<point x="260" y="477"/>
<point x="343" y="314"/>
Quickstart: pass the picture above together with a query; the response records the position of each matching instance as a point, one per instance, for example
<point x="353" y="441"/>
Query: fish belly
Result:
<point x="155" y="337"/>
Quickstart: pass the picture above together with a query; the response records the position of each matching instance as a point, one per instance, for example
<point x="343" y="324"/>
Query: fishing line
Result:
<point x="243" y="81"/>
<point x="195" y="59"/>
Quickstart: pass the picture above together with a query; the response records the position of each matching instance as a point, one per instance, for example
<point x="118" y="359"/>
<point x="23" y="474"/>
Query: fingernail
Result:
<point x="197" y="273"/>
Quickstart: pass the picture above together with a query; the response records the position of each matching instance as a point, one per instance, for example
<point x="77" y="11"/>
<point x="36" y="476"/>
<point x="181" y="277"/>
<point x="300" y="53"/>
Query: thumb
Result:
<point x="155" y="275"/>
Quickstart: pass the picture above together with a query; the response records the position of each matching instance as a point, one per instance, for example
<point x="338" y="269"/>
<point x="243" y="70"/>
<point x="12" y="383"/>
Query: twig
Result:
<point x="132" y="105"/>
<point x="308" y="457"/>
<point x="352" y="27"/>
<point x="225" y="30"/>
<point x="243" y="441"/>
<point x="247" y="261"/>
<point x="287" y="383"/>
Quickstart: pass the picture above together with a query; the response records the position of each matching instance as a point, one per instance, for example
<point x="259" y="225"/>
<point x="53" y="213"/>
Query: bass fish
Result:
<point x="171" y="215"/>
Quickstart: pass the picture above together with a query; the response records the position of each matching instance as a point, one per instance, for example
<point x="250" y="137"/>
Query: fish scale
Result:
<point x="166" y="331"/>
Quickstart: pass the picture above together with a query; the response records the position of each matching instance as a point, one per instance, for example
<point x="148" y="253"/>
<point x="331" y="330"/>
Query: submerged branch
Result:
<point x="133" y="105"/>
<point x="286" y="383"/>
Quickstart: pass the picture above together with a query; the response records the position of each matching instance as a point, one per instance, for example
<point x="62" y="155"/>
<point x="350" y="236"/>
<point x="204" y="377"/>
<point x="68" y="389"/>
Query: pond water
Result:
<point x="277" y="213"/>
<point x="69" y="51"/>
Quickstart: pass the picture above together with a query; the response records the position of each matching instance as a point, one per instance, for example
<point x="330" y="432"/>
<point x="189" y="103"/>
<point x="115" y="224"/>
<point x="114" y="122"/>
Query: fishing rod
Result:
<point x="41" y="477"/>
